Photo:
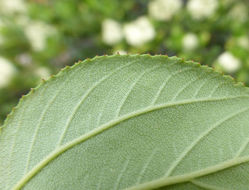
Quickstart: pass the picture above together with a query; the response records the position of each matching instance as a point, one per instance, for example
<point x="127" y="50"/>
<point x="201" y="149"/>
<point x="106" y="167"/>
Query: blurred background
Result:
<point x="39" y="37"/>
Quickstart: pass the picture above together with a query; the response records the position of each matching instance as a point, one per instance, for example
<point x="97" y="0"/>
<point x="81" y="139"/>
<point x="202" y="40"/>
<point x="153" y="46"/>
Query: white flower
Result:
<point x="7" y="70"/>
<point x="190" y="42"/>
<point x="120" y="52"/>
<point x="23" y="20"/>
<point x="139" y="31"/>
<point x="239" y="12"/>
<point x="243" y="42"/>
<point x="164" y="9"/>
<point x="202" y="8"/>
<point x="111" y="32"/>
<point x="43" y="72"/>
<point x="24" y="59"/>
<point x="37" y="33"/>
<point x="13" y="6"/>
<point x="228" y="62"/>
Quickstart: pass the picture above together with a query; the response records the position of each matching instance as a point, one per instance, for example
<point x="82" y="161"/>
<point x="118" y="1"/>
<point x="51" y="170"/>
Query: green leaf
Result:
<point x="135" y="122"/>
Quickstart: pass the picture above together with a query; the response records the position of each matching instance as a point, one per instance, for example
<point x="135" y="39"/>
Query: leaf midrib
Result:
<point x="115" y="122"/>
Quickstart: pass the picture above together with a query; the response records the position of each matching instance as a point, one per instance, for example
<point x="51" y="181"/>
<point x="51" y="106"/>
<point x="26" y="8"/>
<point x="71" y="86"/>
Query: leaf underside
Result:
<point x="129" y="122"/>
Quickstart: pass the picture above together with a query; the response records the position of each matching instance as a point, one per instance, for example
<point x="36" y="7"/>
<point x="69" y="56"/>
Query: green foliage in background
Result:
<point x="129" y="122"/>
<point x="39" y="37"/>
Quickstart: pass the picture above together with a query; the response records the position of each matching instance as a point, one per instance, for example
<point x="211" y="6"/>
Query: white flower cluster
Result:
<point x="190" y="42"/>
<point x="37" y="33"/>
<point x="43" y="72"/>
<point x="136" y="33"/>
<point x="139" y="31"/>
<point x="24" y="59"/>
<point x="243" y="42"/>
<point x="239" y="12"/>
<point x="7" y="71"/>
<point x="13" y="6"/>
<point x="164" y="9"/>
<point x="199" y="9"/>
<point x="229" y="62"/>
<point x="111" y="32"/>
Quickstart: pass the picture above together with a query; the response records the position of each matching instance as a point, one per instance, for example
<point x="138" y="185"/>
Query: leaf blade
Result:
<point x="136" y="91"/>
